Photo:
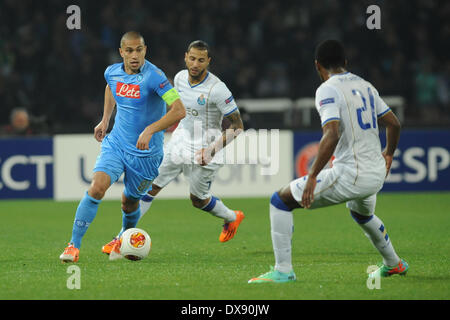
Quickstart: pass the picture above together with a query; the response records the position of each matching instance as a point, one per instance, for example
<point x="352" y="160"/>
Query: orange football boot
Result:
<point x="70" y="254"/>
<point x="230" y="228"/>
<point x="115" y="251"/>
<point x="107" y="248"/>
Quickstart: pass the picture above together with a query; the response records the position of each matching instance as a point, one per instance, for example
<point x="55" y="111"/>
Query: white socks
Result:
<point x="282" y="227"/>
<point x="218" y="209"/>
<point x="146" y="203"/>
<point x="215" y="207"/>
<point x="376" y="232"/>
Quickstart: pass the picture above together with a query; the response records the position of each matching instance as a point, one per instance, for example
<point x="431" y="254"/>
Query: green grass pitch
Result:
<point x="187" y="262"/>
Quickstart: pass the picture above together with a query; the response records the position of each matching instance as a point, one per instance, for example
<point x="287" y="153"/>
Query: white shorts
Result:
<point x="199" y="177"/>
<point x="337" y="187"/>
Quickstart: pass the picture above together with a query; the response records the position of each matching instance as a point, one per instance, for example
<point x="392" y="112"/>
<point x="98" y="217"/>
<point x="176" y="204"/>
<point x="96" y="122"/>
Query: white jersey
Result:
<point x="357" y="105"/>
<point x="206" y="103"/>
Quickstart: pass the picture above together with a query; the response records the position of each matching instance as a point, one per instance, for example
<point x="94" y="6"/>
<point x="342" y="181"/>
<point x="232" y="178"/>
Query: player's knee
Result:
<point x="97" y="191"/>
<point x="359" y="218"/>
<point x="129" y="204"/>
<point x="197" y="202"/>
<point x="155" y="190"/>
<point x="129" y="207"/>
<point x="278" y="202"/>
<point x="100" y="183"/>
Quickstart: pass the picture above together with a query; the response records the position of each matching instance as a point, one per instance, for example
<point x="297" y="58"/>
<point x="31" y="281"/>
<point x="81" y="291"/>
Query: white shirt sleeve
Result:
<point x="327" y="104"/>
<point x="381" y="108"/>
<point x="222" y="97"/>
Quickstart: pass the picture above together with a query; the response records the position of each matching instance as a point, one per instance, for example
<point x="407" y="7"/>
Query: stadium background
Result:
<point x="263" y="50"/>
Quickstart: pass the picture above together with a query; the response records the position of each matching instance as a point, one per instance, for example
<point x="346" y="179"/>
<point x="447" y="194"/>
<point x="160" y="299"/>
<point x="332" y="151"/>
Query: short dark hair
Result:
<point x="131" y="35"/>
<point x="200" y="45"/>
<point x="331" y="54"/>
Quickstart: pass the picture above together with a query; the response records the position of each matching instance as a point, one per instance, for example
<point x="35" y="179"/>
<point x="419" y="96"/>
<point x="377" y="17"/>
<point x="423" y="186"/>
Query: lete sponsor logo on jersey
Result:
<point x="325" y="101"/>
<point x="126" y="90"/>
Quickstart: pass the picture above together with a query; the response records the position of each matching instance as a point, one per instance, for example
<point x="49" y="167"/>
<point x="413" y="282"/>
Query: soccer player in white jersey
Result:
<point x="195" y="145"/>
<point x="350" y="109"/>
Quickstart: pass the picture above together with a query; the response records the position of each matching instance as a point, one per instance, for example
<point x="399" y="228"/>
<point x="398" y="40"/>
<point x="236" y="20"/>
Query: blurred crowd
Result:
<point x="259" y="48"/>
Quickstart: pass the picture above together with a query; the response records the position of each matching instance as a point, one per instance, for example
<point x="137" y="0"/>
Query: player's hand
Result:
<point x="100" y="131"/>
<point x="203" y="156"/>
<point x="144" y="139"/>
<point x="388" y="159"/>
<point x="308" y="193"/>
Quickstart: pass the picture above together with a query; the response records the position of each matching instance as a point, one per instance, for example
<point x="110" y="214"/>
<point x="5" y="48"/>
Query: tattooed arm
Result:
<point x="236" y="126"/>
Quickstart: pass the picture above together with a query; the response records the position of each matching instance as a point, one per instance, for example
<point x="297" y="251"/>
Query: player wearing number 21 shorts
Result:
<point x="350" y="110"/>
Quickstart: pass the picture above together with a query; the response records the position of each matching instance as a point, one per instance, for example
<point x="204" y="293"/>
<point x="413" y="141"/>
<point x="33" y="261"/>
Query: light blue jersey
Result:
<point x="139" y="103"/>
<point x="141" y="100"/>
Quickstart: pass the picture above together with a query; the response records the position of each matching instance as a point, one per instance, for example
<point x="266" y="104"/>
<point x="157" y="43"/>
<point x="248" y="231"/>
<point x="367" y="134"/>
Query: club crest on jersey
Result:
<point x="139" y="78"/>
<point x="126" y="90"/>
<point x="201" y="100"/>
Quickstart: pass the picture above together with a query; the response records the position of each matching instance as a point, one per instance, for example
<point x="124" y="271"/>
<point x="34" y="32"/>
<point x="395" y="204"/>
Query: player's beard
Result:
<point x="198" y="76"/>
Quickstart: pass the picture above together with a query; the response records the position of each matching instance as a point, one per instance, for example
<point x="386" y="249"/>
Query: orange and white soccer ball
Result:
<point x="135" y="244"/>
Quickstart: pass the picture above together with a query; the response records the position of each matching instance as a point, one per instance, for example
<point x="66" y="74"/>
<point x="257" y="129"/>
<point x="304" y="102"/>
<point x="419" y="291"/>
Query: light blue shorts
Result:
<point x="139" y="171"/>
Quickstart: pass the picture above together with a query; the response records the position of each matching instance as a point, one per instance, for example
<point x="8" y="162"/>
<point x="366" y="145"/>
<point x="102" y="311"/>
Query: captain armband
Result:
<point x="170" y="96"/>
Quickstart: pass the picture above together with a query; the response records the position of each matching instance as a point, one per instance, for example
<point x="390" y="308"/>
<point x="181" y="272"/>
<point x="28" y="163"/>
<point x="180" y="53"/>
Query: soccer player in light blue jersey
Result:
<point x="140" y="90"/>
<point x="199" y="156"/>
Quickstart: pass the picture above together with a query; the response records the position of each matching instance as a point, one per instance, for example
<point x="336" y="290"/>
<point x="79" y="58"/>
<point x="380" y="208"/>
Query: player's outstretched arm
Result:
<point x="234" y="129"/>
<point x="327" y="145"/>
<point x="176" y="112"/>
<point x="108" y="108"/>
<point x="393" y="128"/>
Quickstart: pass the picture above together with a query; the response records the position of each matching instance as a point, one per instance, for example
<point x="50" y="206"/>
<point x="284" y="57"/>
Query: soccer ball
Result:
<point x="135" y="244"/>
